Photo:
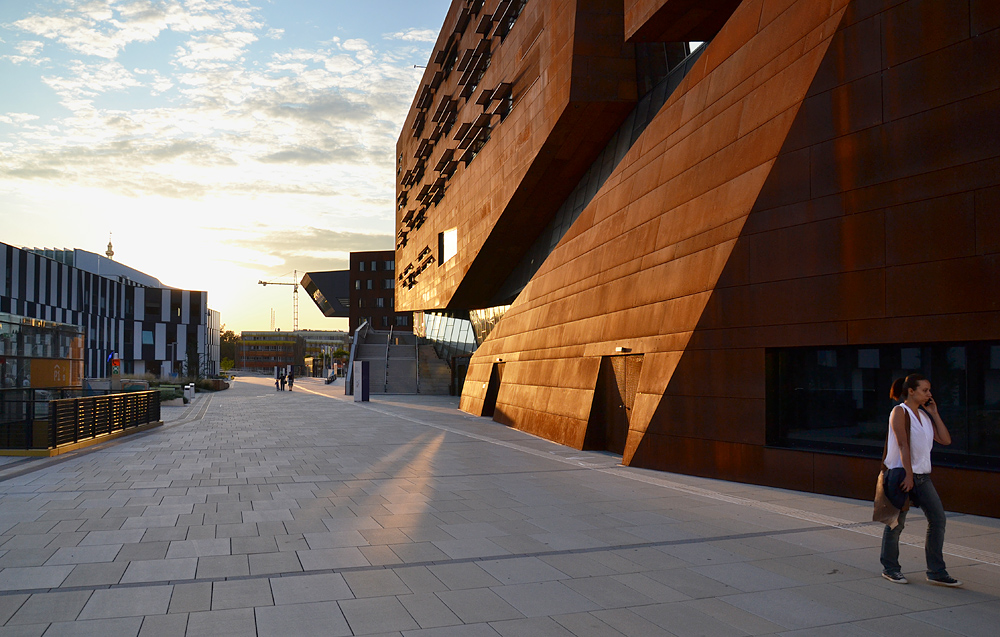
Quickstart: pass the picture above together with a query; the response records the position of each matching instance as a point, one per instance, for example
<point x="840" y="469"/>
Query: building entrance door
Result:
<point x="493" y="389"/>
<point x="614" y="398"/>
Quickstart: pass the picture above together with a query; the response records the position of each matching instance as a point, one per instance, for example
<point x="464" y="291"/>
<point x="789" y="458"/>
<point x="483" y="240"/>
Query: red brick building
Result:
<point x="372" y="292"/>
<point x="716" y="260"/>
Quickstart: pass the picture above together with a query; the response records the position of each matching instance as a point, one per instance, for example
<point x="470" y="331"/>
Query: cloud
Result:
<point x="307" y="249"/>
<point x="17" y="118"/>
<point x="237" y="118"/>
<point x="103" y="28"/>
<point x="413" y="35"/>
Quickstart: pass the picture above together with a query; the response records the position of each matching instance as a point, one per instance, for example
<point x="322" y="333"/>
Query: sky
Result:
<point x="216" y="142"/>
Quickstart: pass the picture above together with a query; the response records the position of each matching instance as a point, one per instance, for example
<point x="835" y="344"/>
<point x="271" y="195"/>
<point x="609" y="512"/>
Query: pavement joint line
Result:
<point x="865" y="528"/>
<point x="426" y="563"/>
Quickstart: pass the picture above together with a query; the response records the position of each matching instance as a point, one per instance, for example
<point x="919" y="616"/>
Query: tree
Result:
<point x="227" y="344"/>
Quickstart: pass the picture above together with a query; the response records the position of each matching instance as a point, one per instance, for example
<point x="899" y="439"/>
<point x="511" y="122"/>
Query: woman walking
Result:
<point x="914" y="427"/>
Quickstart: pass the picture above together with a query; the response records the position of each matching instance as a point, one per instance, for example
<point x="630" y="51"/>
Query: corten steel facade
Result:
<point x="820" y="191"/>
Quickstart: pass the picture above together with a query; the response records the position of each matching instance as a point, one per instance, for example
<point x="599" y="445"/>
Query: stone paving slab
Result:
<point x="304" y="513"/>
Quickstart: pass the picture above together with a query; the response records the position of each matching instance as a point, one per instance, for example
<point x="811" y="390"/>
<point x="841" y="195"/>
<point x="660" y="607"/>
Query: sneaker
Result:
<point x="895" y="578"/>
<point x="946" y="580"/>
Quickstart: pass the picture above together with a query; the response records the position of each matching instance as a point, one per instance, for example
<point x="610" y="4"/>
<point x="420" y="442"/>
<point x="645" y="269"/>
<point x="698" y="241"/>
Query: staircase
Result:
<point x="435" y="374"/>
<point x="394" y="367"/>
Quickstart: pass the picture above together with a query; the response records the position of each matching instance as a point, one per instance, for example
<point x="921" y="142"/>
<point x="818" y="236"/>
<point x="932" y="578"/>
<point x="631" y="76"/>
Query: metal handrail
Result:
<point x="388" y="344"/>
<point x="349" y="376"/>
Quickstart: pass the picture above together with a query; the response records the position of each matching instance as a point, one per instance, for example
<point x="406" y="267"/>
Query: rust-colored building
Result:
<point x="715" y="261"/>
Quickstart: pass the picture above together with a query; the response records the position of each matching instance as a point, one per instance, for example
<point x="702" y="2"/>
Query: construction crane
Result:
<point x="295" y="298"/>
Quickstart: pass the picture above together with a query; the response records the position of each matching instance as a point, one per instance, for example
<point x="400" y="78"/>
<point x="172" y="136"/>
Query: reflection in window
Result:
<point x="837" y="399"/>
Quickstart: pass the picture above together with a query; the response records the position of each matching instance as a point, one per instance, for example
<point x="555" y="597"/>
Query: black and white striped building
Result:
<point x="155" y="329"/>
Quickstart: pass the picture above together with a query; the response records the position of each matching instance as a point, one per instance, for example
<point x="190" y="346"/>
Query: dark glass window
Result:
<point x="837" y="398"/>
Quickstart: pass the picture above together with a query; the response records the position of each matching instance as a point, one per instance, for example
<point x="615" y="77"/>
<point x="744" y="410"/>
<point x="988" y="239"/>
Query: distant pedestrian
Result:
<point x="277" y="380"/>
<point x="914" y="427"/>
<point x="291" y="380"/>
<point x="282" y="382"/>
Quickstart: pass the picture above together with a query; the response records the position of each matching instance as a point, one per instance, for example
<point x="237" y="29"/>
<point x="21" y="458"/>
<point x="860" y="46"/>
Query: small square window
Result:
<point x="357" y="284"/>
<point x="374" y="264"/>
<point x="361" y="266"/>
<point x="370" y="285"/>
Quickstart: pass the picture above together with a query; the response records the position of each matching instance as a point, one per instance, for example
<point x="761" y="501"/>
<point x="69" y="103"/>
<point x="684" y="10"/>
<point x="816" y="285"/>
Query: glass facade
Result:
<point x="837" y="399"/>
<point x="450" y="335"/>
<point x="483" y="321"/>
<point x="36" y="353"/>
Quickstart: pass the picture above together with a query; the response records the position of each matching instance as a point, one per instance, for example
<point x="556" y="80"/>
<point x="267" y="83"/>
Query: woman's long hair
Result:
<point x="901" y="387"/>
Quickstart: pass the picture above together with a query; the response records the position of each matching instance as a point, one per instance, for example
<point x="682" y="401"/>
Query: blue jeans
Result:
<point x="930" y="503"/>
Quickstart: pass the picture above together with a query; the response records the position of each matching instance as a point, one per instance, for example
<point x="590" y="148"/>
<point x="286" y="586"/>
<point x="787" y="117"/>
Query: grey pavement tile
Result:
<point x="50" y="607"/>
<point x="298" y="589"/>
<point x="417" y="552"/>
<point x="313" y="618"/>
<point x="739" y="618"/>
<point x="420" y="578"/>
<point x="165" y="534"/>
<point x="241" y="594"/>
<point x="686" y="583"/>
<point x="322" y="559"/>
<point x="745" y="577"/>
<point x="473" y="547"/>
<point x="586" y="625"/>
<point x="791" y="609"/>
<point x="376" y="615"/>
<point x="152" y="521"/>
<point x="27" y="630"/>
<point x="160" y="570"/>
<point x="26" y="557"/>
<point x="215" y="566"/>
<point x="32" y="577"/>
<point x="331" y="540"/>
<point x="628" y="623"/>
<point x="191" y="597"/>
<point x="521" y="570"/>
<point x="127" y="602"/>
<point x="9" y="604"/>
<point x="163" y="625"/>
<point x="531" y="627"/>
<point x="198" y="548"/>
<point x="463" y="575"/>
<point x="272" y="563"/>
<point x="84" y="554"/>
<point x="117" y="627"/>
<point x="903" y="625"/>
<point x="202" y="532"/>
<point x="237" y="622"/>
<point x="381" y="555"/>
<point x="972" y="620"/>
<point x="112" y="537"/>
<point x="375" y="583"/>
<point x="839" y="630"/>
<point x="143" y="551"/>
<point x="250" y="545"/>
<point x="428" y="610"/>
<point x="468" y="630"/>
<point x="101" y="574"/>
<point x="544" y="598"/>
<point x="607" y="592"/>
<point x="478" y="605"/>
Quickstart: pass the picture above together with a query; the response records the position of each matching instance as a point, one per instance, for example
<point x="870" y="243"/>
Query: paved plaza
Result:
<point x="255" y="512"/>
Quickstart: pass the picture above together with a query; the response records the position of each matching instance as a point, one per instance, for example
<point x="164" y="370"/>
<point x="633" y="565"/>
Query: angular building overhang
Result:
<point x="491" y="146"/>
<point x="676" y="20"/>
<point x="330" y="291"/>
